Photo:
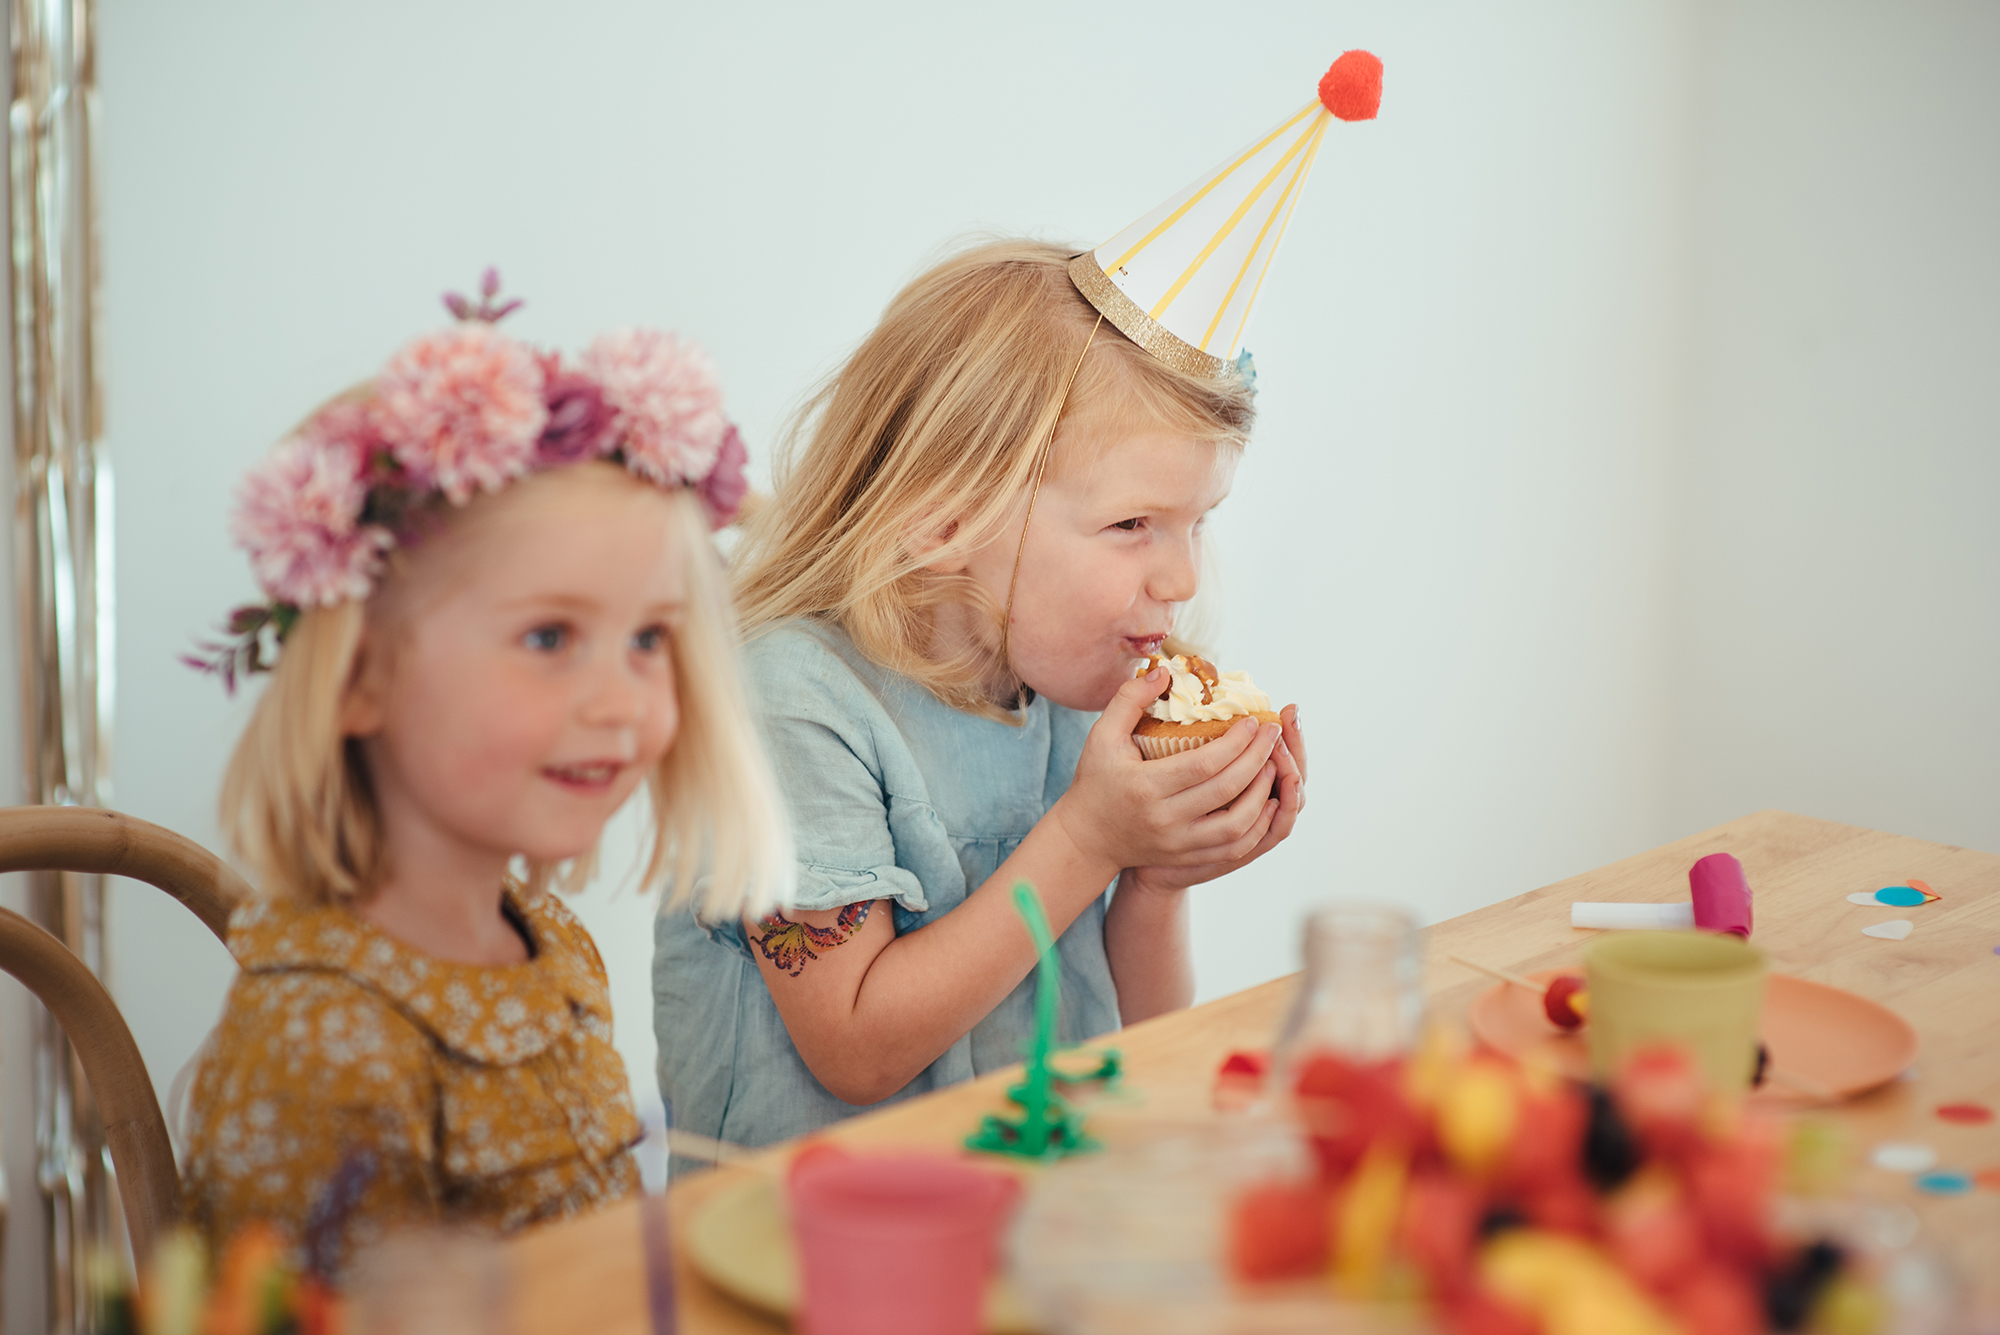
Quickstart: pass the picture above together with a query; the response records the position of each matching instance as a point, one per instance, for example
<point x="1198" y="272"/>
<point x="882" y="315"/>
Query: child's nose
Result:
<point x="614" y="699"/>
<point x="1178" y="574"/>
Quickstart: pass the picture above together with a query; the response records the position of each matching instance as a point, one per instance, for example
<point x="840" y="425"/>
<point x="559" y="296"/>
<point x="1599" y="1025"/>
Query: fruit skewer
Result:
<point x="1564" y="1000"/>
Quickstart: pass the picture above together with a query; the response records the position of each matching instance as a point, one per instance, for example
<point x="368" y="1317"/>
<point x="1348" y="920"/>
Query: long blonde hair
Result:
<point x="299" y="810"/>
<point x="939" y="417"/>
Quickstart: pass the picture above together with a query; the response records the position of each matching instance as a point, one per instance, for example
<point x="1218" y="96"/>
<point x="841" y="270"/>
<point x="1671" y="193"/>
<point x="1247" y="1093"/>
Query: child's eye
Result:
<point x="650" y="640"/>
<point x="547" y="639"/>
<point x="1129" y="525"/>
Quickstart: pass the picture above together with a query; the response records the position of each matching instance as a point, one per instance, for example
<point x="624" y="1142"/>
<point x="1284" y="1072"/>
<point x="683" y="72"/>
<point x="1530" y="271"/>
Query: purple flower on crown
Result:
<point x="668" y="400"/>
<point x="723" y="490"/>
<point x="298" y="515"/>
<point x="462" y="410"/>
<point x="581" y="424"/>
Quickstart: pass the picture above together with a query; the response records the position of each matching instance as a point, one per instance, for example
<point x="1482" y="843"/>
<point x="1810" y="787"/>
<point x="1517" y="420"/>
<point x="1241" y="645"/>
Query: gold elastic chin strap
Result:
<point x="1034" y="494"/>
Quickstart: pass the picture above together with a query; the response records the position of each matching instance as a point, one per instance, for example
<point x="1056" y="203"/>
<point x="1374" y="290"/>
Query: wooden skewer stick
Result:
<point x="1505" y="977"/>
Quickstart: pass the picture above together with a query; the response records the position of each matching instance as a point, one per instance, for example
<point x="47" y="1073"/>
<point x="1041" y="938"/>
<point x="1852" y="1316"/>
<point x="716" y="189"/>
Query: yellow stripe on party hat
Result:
<point x="1180" y="281"/>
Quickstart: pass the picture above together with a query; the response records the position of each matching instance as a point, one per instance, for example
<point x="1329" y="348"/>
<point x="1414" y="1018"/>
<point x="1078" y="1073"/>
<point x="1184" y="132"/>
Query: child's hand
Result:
<point x="1209" y="806"/>
<point x="1280" y="814"/>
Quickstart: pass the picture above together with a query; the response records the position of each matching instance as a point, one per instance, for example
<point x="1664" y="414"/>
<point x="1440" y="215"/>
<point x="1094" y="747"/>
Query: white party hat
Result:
<point x="1181" y="280"/>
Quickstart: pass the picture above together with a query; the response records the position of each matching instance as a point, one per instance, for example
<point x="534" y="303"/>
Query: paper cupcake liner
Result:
<point x="1152" y="747"/>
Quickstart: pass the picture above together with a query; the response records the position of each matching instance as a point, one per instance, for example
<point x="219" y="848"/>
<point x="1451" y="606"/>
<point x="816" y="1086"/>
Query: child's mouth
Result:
<point x="589" y="776"/>
<point x="1145" y="645"/>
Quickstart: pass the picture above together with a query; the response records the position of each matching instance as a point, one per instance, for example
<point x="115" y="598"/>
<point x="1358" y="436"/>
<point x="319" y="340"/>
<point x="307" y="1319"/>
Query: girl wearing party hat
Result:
<point x="496" y="613"/>
<point x="995" y="508"/>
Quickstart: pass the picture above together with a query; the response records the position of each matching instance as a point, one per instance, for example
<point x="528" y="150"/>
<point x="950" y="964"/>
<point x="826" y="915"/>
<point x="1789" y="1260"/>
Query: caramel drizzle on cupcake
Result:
<point x="1203" y="670"/>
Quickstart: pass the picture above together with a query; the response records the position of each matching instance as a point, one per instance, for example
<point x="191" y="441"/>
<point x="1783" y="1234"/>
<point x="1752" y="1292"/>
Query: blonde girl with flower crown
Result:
<point x="943" y="634"/>
<point x="501" y="615"/>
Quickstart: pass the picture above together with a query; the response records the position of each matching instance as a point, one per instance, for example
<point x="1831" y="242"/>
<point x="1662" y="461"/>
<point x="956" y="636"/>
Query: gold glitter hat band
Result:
<point x="1126" y="317"/>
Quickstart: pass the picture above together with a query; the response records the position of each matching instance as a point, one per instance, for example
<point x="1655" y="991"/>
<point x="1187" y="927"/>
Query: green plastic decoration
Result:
<point x="1049" y="1126"/>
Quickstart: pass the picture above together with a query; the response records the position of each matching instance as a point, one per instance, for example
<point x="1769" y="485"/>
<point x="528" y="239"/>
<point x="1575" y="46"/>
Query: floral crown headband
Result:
<point x="456" y="413"/>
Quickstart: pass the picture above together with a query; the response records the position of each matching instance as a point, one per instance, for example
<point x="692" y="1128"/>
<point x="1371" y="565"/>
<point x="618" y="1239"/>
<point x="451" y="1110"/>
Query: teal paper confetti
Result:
<point x="1945" y="1184"/>
<point x="1902" y="896"/>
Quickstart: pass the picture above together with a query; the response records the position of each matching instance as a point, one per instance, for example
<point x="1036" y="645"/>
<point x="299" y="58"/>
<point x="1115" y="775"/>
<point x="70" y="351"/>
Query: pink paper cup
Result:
<point x="899" y="1244"/>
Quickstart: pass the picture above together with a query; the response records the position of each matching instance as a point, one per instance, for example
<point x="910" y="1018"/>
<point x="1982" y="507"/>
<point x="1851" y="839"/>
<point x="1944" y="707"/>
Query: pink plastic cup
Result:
<point x="896" y="1244"/>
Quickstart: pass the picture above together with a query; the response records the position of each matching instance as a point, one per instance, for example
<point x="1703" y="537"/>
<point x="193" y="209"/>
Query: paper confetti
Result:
<point x="1903" y="1157"/>
<point x="1893" y="930"/>
<point x="1988" y="1178"/>
<point x="1929" y="894"/>
<point x="1945" y="1184"/>
<point x="1896" y="896"/>
<point x="1965" y="1114"/>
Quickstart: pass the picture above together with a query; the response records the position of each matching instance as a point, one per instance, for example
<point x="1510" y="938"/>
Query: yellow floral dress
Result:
<point x="356" y="1084"/>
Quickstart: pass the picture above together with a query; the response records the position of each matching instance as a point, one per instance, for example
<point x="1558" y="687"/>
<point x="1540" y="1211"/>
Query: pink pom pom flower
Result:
<point x="298" y="515"/>
<point x="462" y="410"/>
<point x="668" y="400"/>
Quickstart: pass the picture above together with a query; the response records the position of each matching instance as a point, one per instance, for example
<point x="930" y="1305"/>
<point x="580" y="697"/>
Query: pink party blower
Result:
<point x="1721" y="895"/>
<point x="1718" y="901"/>
<point x="896" y="1244"/>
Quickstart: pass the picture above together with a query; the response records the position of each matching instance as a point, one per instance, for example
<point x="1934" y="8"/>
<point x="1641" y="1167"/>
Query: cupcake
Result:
<point x="1198" y="706"/>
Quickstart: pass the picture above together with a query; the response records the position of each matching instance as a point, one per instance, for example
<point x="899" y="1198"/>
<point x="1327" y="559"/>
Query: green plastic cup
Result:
<point x="1702" y="992"/>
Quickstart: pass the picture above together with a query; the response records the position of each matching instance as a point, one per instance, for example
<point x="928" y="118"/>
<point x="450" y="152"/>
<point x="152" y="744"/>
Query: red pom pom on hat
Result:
<point x="1352" y="87"/>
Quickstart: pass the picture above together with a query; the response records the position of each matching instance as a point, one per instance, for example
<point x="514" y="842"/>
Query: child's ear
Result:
<point x="932" y="537"/>
<point x="362" y="706"/>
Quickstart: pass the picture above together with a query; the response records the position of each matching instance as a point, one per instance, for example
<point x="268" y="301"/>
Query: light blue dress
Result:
<point x="893" y="795"/>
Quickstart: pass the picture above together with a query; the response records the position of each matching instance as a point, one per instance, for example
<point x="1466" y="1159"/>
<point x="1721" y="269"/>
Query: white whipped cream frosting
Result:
<point x="1233" y="696"/>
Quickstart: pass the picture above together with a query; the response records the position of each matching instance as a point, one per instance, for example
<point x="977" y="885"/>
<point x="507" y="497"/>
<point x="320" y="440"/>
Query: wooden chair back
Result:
<point x="85" y="839"/>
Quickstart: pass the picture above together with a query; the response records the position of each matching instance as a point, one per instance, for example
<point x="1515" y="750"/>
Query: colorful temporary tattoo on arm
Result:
<point x="789" y="945"/>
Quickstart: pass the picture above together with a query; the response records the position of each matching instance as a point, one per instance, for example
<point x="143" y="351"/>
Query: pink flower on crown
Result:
<point x="668" y="400"/>
<point x="462" y="410"/>
<point x="725" y="486"/>
<point x="351" y="426"/>
<point x="298" y="514"/>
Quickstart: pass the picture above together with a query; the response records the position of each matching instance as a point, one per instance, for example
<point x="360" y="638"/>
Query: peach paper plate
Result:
<point x="1847" y="1043"/>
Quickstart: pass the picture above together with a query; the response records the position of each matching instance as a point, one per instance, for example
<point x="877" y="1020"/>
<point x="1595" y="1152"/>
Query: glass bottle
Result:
<point x="1362" y="993"/>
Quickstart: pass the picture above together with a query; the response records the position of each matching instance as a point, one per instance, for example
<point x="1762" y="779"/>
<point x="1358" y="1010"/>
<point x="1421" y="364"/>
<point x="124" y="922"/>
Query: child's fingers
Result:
<point x="1288" y="764"/>
<point x="1227" y="825"/>
<point x="1273" y="827"/>
<point x="1175" y="774"/>
<point x="1295" y="740"/>
<point x="1291" y="801"/>
<point x="1122" y="715"/>
<point x="1227" y="783"/>
<point x="1246" y="845"/>
<point x="1291" y="780"/>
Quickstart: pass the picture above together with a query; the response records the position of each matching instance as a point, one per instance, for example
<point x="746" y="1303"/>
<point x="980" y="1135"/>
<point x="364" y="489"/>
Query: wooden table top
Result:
<point x="588" y="1275"/>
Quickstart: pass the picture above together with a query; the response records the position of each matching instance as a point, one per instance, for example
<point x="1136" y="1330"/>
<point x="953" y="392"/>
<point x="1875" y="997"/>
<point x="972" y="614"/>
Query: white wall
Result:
<point x="1503" y="381"/>
<point x="1837" y="626"/>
